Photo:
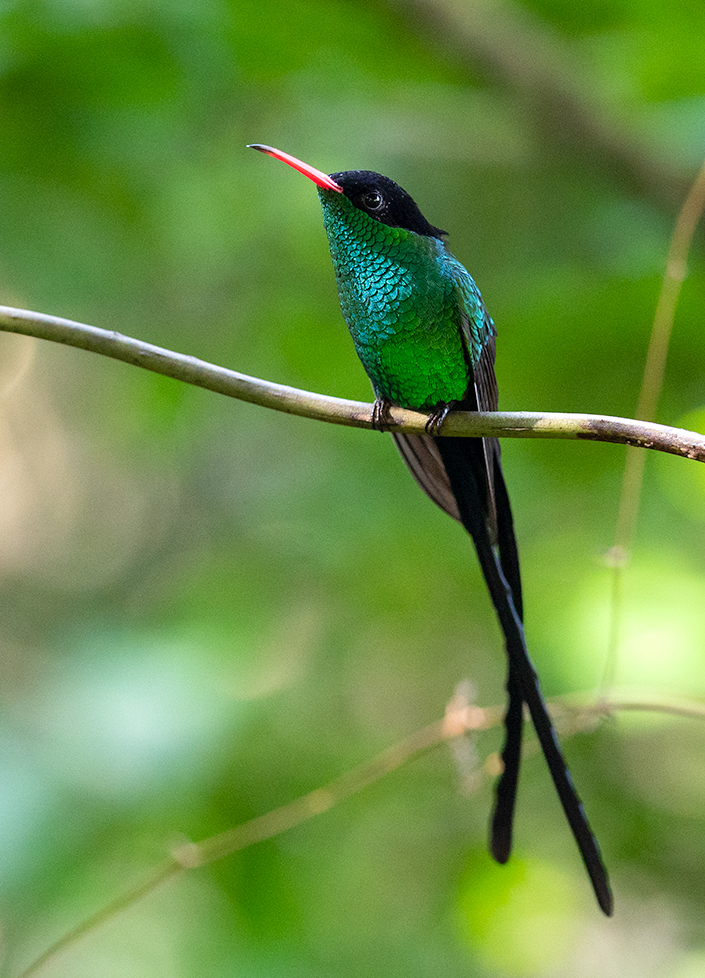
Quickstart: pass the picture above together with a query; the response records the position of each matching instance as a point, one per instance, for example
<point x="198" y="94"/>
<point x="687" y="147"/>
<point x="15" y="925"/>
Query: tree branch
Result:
<point x="358" y="414"/>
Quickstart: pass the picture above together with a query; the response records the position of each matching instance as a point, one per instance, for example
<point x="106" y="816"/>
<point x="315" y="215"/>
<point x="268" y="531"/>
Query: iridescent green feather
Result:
<point x="418" y="325"/>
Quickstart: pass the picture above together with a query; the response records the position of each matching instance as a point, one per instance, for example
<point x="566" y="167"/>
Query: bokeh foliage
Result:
<point x="207" y="608"/>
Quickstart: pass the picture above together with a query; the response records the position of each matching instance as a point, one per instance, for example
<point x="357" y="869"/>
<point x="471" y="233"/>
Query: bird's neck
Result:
<point x="399" y="305"/>
<point x="373" y="261"/>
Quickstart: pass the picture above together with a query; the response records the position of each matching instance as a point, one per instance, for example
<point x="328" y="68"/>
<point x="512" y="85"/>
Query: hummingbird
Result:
<point x="427" y="342"/>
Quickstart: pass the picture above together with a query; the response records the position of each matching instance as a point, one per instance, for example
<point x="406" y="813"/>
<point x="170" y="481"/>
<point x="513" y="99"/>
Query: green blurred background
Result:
<point x="208" y="609"/>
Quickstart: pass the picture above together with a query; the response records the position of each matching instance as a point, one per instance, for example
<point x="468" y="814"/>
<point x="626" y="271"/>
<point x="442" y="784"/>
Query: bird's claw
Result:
<point x="436" y="419"/>
<point x="381" y="418"/>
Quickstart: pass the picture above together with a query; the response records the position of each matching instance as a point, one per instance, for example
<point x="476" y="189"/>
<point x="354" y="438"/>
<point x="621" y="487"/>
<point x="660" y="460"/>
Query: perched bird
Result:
<point x="427" y="342"/>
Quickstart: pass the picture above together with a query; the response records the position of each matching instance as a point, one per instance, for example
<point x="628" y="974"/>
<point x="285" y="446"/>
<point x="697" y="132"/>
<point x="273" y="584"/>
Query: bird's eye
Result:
<point x="373" y="200"/>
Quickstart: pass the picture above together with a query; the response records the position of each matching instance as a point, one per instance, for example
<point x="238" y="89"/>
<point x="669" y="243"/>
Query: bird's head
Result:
<point x="373" y="194"/>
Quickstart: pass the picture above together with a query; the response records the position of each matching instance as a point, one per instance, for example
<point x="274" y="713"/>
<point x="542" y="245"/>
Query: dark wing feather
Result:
<point x="420" y="452"/>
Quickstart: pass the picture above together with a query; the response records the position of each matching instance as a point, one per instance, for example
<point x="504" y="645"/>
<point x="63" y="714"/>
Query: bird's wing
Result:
<point x="478" y="334"/>
<point x="420" y="452"/>
<point x="486" y="399"/>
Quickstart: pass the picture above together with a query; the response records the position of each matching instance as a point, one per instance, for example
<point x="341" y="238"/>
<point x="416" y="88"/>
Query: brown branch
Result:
<point x="191" y="370"/>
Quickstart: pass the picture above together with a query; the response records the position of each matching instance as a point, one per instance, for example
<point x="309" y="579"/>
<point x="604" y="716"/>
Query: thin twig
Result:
<point x="191" y="370"/>
<point x="652" y="382"/>
<point x="168" y="870"/>
<point x="461" y="718"/>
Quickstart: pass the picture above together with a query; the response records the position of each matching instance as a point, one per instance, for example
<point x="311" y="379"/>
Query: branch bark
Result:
<point x="335" y="410"/>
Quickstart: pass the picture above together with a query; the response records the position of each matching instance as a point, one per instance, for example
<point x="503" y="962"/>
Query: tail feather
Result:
<point x="422" y="455"/>
<point x="463" y="460"/>
<point x="508" y="782"/>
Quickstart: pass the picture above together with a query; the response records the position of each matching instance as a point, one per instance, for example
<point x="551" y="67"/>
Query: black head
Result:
<point x="385" y="201"/>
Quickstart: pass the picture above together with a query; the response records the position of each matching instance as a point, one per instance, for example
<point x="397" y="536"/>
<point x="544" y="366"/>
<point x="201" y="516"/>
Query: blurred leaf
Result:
<point x="520" y="919"/>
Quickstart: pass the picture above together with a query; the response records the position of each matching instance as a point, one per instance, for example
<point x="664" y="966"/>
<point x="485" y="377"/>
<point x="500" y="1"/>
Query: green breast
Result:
<point x="400" y="305"/>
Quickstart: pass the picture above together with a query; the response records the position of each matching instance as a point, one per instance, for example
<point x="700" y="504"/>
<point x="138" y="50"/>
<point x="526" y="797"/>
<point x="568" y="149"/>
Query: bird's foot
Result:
<point x="381" y="418"/>
<point x="436" y="419"/>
